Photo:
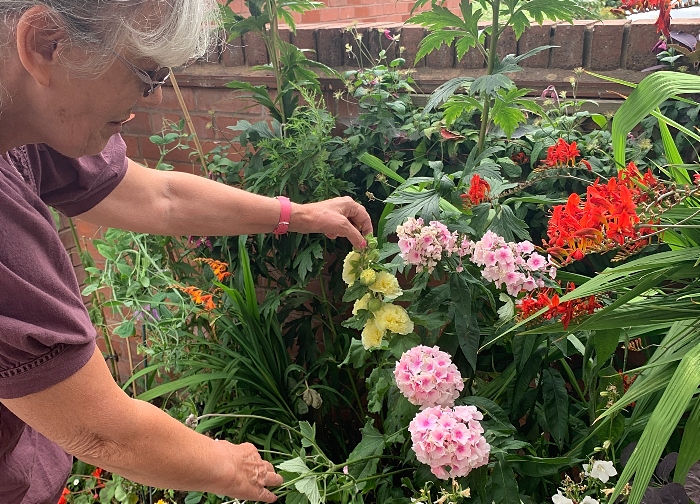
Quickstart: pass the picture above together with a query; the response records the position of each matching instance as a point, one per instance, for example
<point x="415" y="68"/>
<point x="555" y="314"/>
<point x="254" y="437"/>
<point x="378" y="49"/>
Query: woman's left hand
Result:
<point x="334" y="217"/>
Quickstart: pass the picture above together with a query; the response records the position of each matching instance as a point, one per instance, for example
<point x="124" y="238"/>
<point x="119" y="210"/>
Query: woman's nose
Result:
<point x="154" y="98"/>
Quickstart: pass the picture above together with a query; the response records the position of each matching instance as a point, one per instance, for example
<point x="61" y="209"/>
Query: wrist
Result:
<point x="285" y="216"/>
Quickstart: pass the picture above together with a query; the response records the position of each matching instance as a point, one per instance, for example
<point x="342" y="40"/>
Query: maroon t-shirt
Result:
<point x="45" y="331"/>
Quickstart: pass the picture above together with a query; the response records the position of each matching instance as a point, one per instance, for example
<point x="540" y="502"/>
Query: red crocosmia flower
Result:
<point x="663" y="22"/>
<point x="520" y="158"/>
<point x="562" y="154"/>
<point x="97" y="473"/>
<point x="478" y="191"/>
<point x="63" y="500"/>
<point x="605" y="219"/>
<point x="696" y="178"/>
<point x="566" y="310"/>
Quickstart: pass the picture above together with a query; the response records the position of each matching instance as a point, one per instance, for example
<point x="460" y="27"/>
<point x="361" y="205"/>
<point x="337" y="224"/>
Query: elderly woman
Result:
<point x="71" y="71"/>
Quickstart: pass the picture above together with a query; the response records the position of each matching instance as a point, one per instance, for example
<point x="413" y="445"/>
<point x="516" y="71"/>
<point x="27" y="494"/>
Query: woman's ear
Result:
<point x="39" y="38"/>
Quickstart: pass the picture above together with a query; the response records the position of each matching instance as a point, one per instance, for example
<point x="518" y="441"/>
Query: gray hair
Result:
<point x="170" y="32"/>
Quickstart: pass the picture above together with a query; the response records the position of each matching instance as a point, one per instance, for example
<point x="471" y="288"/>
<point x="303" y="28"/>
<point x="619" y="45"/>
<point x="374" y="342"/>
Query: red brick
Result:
<point x="132" y="146"/>
<point x="66" y="236"/>
<point x="310" y="17"/>
<point x="170" y="101"/>
<point x="506" y="43"/>
<point x="306" y="39"/>
<point x="569" y="38"/>
<point x="606" y="44"/>
<point x="233" y="53"/>
<point x="642" y="38"/>
<point x="375" y="12"/>
<point x="254" y="49"/>
<point x="330" y="47"/>
<point x="443" y="57"/>
<point x="346" y="13"/>
<point x="225" y="100"/>
<point x="410" y="39"/>
<point x="328" y="15"/>
<point x="533" y="37"/>
<point x="361" y="12"/>
<point x="472" y="59"/>
<point x="141" y="123"/>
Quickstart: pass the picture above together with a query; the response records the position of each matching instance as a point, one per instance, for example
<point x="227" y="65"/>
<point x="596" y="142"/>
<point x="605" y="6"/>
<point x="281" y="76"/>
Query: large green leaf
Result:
<point x="689" y="452"/>
<point x="504" y="487"/>
<point x="663" y="421"/>
<point x="646" y="97"/>
<point x="556" y="404"/>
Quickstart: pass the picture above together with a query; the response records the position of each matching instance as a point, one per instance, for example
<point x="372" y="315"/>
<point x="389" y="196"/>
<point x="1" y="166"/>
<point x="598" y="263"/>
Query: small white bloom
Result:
<point x="76" y="481"/>
<point x="602" y="470"/>
<point x="560" y="499"/>
<point x="589" y="500"/>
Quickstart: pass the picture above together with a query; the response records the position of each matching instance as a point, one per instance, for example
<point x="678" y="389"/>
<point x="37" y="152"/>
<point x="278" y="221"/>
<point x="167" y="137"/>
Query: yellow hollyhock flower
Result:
<point x="350" y="264"/>
<point x="386" y="284"/>
<point x="393" y="318"/>
<point x="362" y="303"/>
<point x="368" y="276"/>
<point x="372" y="335"/>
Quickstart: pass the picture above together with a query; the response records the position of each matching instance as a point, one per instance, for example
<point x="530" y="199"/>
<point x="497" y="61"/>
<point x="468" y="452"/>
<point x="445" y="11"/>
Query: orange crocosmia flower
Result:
<point x="208" y="302"/>
<point x="218" y="267"/>
<point x="97" y="473"/>
<point x="198" y="296"/>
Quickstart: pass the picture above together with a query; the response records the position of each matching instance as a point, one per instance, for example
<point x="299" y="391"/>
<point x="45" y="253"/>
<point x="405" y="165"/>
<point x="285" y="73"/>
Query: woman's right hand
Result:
<point x="252" y="474"/>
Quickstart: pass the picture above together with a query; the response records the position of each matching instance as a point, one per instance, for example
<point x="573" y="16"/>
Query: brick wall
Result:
<point x="616" y="48"/>
<point x="360" y="11"/>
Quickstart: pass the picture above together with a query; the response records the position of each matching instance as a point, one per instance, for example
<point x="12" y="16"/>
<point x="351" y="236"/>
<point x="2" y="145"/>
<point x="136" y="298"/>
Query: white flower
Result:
<point x="589" y="500"/>
<point x="602" y="470"/>
<point x="560" y="499"/>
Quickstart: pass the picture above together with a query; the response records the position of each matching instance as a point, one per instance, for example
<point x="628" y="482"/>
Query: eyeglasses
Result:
<point x="153" y="79"/>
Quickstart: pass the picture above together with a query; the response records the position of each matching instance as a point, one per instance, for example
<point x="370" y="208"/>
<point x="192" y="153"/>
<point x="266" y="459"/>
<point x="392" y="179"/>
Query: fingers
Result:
<point x="356" y="223"/>
<point x="253" y="475"/>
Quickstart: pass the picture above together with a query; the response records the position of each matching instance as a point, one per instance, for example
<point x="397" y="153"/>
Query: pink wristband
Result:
<point x="285" y="215"/>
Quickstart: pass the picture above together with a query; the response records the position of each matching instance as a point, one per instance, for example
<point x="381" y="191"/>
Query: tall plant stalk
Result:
<point x="272" y="43"/>
<point x="490" y="65"/>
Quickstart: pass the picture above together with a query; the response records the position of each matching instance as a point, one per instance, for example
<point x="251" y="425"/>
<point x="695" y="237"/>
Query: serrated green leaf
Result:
<point x="434" y="41"/>
<point x="490" y="84"/>
<point x="295" y="465"/>
<point x="367" y="452"/>
<point x="357" y="355"/>
<point x="309" y="487"/>
<point x="309" y="433"/>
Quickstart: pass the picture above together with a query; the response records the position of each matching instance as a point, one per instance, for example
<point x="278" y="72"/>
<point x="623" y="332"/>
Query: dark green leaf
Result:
<point x="504" y="488"/>
<point x="556" y="404"/>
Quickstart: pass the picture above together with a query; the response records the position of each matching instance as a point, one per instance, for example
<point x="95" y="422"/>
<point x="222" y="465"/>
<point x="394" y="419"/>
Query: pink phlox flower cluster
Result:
<point x="424" y="246"/>
<point x="427" y="377"/>
<point x="516" y="265"/>
<point x="449" y="440"/>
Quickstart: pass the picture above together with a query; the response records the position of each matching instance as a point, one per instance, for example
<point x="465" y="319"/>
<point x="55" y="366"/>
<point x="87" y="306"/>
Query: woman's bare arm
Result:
<point x="90" y="417"/>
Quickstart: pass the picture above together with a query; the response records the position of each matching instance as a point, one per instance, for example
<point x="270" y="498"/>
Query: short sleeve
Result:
<point x="45" y="332"/>
<point x="74" y="186"/>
